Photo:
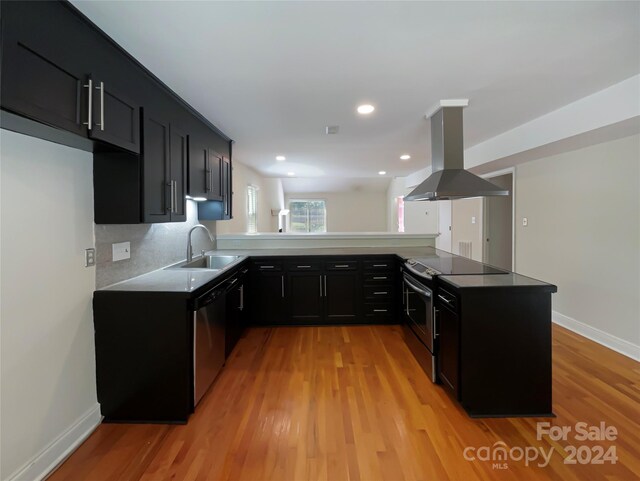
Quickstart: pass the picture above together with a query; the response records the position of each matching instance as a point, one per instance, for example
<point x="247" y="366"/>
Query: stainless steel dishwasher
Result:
<point x="208" y="339"/>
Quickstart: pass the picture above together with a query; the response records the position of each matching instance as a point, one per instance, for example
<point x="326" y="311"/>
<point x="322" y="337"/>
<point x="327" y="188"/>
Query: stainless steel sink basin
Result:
<point x="208" y="262"/>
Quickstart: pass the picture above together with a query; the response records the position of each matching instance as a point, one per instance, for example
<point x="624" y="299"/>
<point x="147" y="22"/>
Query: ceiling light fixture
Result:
<point x="366" y="109"/>
<point x="280" y="158"/>
<point x="405" y="157"/>
<point x="382" y="172"/>
<point x="291" y="173"/>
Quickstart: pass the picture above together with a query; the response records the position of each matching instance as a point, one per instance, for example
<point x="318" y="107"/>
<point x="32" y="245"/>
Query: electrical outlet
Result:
<point x="121" y="251"/>
<point x="525" y="222"/>
<point x="473" y="219"/>
<point x="89" y="257"/>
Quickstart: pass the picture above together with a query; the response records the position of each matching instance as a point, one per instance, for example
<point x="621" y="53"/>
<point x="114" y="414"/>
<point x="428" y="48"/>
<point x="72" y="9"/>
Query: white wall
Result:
<point x="466" y="225"/>
<point x="583" y="234"/>
<point x="48" y="361"/>
<point x="270" y="196"/>
<point x="356" y="211"/>
<point x="420" y="217"/>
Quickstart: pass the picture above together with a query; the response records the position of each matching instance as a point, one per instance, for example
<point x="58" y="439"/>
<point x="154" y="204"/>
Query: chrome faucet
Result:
<point x="190" y="247"/>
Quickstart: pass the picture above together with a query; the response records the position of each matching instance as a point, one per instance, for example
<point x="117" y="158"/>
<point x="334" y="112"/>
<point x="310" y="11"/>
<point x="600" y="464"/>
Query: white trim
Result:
<point x="46" y="461"/>
<point x="622" y="346"/>
<point x="446" y="103"/>
<point x="325" y="235"/>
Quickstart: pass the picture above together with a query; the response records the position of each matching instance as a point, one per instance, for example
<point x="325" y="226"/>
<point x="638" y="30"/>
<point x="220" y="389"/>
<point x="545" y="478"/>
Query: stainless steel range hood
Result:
<point x="449" y="180"/>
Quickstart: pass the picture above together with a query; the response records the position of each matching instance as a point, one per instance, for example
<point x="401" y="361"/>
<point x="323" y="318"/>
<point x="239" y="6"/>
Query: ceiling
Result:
<point x="272" y="75"/>
<point x="308" y="185"/>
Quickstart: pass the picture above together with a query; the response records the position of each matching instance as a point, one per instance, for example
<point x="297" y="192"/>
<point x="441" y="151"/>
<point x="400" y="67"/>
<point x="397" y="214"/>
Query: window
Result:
<point x="400" y="205"/>
<point x="252" y="209"/>
<point x="307" y="216"/>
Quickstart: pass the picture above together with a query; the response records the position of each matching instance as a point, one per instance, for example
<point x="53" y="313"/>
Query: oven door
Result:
<point x="419" y="310"/>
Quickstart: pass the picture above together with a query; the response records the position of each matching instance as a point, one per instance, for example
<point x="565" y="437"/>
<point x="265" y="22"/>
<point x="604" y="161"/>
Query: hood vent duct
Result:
<point x="449" y="180"/>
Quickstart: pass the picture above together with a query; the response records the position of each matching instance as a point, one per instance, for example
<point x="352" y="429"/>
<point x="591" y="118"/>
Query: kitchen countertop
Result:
<point x="184" y="280"/>
<point x="496" y="280"/>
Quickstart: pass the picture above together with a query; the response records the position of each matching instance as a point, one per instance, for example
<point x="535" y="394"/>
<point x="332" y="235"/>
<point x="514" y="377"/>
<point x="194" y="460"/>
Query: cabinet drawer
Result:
<point x="341" y="265"/>
<point x="381" y="265"/>
<point x="378" y="277"/>
<point x="304" y="266"/>
<point x="379" y="312"/>
<point x="382" y="292"/>
<point x="267" y="266"/>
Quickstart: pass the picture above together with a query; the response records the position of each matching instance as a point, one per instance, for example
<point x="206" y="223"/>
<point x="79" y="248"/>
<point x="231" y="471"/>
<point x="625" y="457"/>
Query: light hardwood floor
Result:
<point x="351" y="403"/>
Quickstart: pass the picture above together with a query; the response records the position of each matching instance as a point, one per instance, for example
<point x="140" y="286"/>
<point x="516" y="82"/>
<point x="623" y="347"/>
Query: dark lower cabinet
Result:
<point x="268" y="298"/>
<point x="448" y="363"/>
<point x="342" y="296"/>
<point x="237" y="310"/>
<point x="305" y="300"/>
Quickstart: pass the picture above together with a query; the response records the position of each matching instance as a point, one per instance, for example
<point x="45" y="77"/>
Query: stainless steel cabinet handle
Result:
<point x="380" y="278"/>
<point x="303" y="267"/>
<point x="325" y="286"/>
<point x="241" y="297"/>
<point x="380" y="293"/>
<point x="266" y="267"/>
<point x="341" y="266"/>
<point x="407" y="304"/>
<point x="282" y="280"/>
<point x="207" y="174"/>
<point x="320" y="281"/>
<point x="441" y="297"/>
<point x="379" y="310"/>
<point x="101" y="89"/>
<point x="435" y="332"/>
<point x="379" y="265"/>
<point x="89" y="85"/>
<point x="175" y="195"/>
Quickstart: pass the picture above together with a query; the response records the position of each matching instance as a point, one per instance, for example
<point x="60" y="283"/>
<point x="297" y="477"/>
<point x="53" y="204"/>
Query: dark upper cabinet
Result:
<point x="50" y="73"/>
<point x="156" y="155"/>
<point x="213" y="171"/>
<point x="115" y="117"/>
<point x="164" y="168"/>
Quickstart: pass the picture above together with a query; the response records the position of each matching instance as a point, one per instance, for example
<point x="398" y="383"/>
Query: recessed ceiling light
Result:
<point x="366" y="109"/>
<point x="405" y="157"/>
<point x="382" y="172"/>
<point x="291" y="173"/>
<point x="280" y="158"/>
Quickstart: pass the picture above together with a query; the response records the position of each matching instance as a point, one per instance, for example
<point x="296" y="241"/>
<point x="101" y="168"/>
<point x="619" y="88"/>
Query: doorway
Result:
<point x="498" y="225"/>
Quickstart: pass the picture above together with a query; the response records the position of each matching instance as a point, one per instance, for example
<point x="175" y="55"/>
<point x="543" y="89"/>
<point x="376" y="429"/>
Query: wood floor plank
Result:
<point x="351" y="403"/>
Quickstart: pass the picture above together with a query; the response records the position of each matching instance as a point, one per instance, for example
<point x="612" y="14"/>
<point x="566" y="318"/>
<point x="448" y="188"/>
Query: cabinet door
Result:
<point x="115" y="117"/>
<point x="214" y="176"/>
<point x="268" y="298"/>
<point x="448" y="325"/>
<point x="178" y="175"/>
<point x="197" y="181"/>
<point x="44" y="69"/>
<point x="305" y="297"/>
<point x="342" y="296"/>
<point x="156" y="195"/>
<point x="233" y="324"/>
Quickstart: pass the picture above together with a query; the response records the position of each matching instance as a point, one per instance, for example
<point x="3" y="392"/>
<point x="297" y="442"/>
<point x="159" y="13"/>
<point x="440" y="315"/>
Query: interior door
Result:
<point x="498" y="226"/>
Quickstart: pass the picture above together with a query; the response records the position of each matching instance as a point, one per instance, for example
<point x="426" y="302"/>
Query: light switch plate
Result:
<point x="121" y="251"/>
<point x="473" y="219"/>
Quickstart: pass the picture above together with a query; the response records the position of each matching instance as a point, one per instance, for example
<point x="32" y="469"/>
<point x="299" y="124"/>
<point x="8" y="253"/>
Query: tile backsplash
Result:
<point x="152" y="246"/>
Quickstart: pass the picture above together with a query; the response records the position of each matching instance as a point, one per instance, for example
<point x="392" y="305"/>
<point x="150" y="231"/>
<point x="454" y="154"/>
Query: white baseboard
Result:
<point x="43" y="463"/>
<point x="622" y="346"/>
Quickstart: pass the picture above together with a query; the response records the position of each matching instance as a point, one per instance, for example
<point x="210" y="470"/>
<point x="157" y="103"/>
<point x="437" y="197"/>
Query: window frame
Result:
<point x="252" y="188"/>
<point x="290" y="216"/>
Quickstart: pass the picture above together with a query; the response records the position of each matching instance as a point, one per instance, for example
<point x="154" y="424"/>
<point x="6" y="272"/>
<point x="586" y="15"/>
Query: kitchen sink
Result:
<point x="208" y="262"/>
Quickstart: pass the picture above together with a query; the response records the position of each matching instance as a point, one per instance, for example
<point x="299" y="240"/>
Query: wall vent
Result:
<point x="464" y="248"/>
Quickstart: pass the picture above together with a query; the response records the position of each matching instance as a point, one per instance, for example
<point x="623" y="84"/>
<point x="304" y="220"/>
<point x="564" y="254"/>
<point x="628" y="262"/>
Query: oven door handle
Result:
<point x="416" y="288"/>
